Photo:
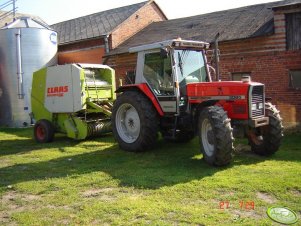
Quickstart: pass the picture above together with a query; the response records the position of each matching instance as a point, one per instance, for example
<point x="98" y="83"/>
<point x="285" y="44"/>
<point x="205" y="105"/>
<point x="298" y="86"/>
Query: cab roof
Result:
<point x="171" y="43"/>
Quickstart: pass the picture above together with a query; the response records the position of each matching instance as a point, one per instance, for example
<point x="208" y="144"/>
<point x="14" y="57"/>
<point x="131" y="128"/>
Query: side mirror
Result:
<point x="164" y="53"/>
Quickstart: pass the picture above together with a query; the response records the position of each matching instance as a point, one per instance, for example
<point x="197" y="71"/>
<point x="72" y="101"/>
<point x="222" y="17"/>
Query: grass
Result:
<point x="93" y="182"/>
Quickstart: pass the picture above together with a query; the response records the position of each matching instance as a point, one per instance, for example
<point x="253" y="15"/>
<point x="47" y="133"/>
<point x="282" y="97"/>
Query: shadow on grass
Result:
<point x="167" y="165"/>
<point x="17" y="132"/>
<point x="26" y="143"/>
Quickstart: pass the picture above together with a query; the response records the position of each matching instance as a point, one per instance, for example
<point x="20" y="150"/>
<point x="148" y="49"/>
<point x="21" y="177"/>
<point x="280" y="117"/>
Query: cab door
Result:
<point x="157" y="73"/>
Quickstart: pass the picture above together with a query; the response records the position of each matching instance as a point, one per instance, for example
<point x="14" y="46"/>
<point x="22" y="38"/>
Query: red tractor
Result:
<point x="173" y="93"/>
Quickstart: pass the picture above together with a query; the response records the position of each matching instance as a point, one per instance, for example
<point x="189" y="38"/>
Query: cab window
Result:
<point x="158" y="73"/>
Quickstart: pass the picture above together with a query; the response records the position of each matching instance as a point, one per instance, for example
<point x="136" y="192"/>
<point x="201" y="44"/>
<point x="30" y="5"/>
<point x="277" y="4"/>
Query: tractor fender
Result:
<point x="143" y="88"/>
<point x="204" y="104"/>
<point x="199" y="107"/>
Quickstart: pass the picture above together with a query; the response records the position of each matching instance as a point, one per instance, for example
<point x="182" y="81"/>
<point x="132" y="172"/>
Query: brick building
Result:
<point x="263" y="41"/>
<point x="86" y="39"/>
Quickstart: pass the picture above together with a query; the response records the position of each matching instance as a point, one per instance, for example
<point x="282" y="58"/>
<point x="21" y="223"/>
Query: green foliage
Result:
<point x="94" y="182"/>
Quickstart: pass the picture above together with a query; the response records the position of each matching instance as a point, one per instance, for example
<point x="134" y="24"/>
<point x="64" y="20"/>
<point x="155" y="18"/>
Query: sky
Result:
<point x="54" y="11"/>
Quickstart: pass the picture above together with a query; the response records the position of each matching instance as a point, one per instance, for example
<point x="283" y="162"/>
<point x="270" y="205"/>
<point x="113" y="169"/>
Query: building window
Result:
<point x="130" y="77"/>
<point x="295" y="79"/>
<point x="237" y="76"/>
<point x="293" y="31"/>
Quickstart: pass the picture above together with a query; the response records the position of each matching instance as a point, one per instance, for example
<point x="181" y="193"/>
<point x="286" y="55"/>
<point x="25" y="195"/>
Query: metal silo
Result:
<point x="26" y="45"/>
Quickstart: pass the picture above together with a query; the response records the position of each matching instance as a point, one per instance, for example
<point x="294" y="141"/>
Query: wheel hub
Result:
<point x="131" y="123"/>
<point x="40" y="132"/>
<point x="128" y="123"/>
<point x="207" y="136"/>
<point x="210" y="137"/>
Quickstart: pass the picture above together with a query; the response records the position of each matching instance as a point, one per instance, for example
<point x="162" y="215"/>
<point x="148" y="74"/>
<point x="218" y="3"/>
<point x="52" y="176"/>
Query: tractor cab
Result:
<point x="167" y="67"/>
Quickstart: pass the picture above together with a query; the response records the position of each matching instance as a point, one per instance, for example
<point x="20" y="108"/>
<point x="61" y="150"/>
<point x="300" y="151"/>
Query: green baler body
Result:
<point x="76" y="99"/>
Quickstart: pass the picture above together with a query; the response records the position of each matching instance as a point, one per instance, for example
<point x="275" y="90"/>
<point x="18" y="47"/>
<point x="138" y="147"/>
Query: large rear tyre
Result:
<point x="266" y="140"/>
<point x="215" y="135"/>
<point x="43" y="131"/>
<point x="135" y="122"/>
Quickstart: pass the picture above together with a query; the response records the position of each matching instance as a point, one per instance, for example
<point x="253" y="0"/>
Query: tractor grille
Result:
<point x="257" y="101"/>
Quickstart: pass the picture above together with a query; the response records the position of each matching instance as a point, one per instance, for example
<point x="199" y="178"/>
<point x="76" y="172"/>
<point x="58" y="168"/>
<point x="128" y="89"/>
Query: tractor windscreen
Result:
<point x="190" y="66"/>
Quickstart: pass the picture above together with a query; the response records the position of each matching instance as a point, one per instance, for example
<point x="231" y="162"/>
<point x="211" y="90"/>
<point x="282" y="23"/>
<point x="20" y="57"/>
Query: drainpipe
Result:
<point x="216" y="50"/>
<point x="19" y="66"/>
<point x="107" y="43"/>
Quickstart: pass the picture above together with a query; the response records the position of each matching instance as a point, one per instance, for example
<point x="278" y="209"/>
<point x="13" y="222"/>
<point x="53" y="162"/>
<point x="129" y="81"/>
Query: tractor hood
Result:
<point x="233" y="90"/>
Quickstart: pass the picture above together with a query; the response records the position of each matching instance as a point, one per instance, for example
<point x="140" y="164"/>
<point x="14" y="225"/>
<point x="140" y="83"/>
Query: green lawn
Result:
<point x="93" y="182"/>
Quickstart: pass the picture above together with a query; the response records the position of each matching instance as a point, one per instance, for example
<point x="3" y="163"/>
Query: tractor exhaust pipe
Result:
<point x="216" y="56"/>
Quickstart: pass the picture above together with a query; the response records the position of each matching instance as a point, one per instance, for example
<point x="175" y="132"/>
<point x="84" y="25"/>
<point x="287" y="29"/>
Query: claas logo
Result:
<point x="57" y="91"/>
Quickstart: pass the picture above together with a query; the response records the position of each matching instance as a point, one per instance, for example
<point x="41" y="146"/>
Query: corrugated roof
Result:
<point x="233" y="24"/>
<point x="94" y="25"/>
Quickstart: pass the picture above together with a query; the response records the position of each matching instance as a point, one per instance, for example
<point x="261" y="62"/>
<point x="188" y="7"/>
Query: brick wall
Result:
<point x="266" y="58"/>
<point x="122" y="64"/>
<point x="87" y="51"/>
<point x="136" y="22"/>
<point x="93" y="56"/>
<point x="272" y="69"/>
<point x="266" y="64"/>
<point x="268" y="61"/>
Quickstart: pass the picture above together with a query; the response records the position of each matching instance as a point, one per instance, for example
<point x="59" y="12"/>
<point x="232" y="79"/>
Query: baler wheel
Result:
<point x="43" y="131"/>
<point x="266" y="140"/>
<point x="135" y="122"/>
<point x="215" y="135"/>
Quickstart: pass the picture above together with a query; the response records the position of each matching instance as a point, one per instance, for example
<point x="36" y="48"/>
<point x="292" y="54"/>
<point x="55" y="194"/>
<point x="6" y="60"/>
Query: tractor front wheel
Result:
<point x="135" y="122"/>
<point x="266" y="140"/>
<point x="43" y="131"/>
<point x="215" y="135"/>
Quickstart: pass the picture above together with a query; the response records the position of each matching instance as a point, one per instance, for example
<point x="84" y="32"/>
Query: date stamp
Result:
<point x="242" y="204"/>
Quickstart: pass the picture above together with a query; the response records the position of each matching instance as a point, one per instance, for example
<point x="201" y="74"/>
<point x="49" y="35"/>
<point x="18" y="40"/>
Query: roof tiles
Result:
<point x="94" y="25"/>
<point x="233" y="24"/>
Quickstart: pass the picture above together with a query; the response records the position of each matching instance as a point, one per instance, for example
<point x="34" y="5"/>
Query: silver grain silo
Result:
<point x="26" y="45"/>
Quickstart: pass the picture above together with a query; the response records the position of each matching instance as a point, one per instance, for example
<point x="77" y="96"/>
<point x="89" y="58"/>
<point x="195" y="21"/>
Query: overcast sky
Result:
<point x="53" y="11"/>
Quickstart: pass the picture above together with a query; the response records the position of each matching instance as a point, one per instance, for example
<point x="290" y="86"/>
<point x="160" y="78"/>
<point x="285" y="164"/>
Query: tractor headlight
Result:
<point x="254" y="107"/>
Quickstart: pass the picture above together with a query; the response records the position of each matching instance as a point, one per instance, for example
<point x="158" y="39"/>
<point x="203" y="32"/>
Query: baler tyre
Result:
<point x="43" y="131"/>
<point x="215" y="135"/>
<point x="266" y="140"/>
<point x="135" y="122"/>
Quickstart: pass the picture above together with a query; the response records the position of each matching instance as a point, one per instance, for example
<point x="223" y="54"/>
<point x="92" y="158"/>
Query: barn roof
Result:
<point x="233" y="24"/>
<point x="94" y="25"/>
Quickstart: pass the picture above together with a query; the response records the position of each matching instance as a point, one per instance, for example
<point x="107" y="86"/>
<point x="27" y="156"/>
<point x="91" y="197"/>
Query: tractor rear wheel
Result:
<point x="266" y="140"/>
<point x="43" y="131"/>
<point x="135" y="122"/>
<point x="215" y="135"/>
